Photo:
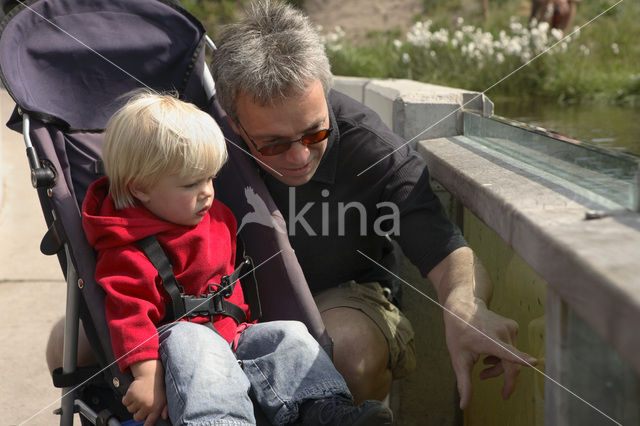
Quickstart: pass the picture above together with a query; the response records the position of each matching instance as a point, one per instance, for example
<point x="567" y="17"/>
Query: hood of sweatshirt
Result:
<point x="106" y="227"/>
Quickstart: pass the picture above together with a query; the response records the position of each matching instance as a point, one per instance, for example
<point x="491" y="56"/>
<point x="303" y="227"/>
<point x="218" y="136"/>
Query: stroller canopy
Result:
<point x="67" y="65"/>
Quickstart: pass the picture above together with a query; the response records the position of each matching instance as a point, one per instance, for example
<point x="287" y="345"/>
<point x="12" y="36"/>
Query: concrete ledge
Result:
<point x="351" y="86"/>
<point x="415" y="110"/>
<point x="590" y="264"/>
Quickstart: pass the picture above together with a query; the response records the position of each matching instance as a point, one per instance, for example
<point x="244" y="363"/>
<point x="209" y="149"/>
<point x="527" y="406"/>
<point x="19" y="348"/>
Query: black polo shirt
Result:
<point x="338" y="213"/>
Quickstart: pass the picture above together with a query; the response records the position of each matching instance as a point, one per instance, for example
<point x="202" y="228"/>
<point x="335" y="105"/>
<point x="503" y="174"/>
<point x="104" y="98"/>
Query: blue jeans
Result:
<point x="278" y="363"/>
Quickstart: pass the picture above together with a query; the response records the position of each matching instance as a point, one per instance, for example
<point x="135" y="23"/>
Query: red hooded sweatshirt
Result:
<point x="135" y="299"/>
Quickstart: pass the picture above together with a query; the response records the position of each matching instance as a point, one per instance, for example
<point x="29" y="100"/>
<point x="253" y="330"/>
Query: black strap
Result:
<point x="249" y="282"/>
<point x="208" y="305"/>
<point x="190" y="306"/>
<point x="78" y="376"/>
<point x="53" y="240"/>
<point x="160" y="261"/>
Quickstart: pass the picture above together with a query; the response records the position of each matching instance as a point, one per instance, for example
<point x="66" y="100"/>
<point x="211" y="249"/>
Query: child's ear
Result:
<point x="138" y="192"/>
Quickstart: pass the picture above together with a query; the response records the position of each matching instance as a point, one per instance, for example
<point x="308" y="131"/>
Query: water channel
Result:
<point x="607" y="126"/>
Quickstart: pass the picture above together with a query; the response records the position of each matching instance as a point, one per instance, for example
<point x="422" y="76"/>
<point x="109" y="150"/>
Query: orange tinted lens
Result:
<point x="275" y="149"/>
<point x="315" y="137"/>
<point x="306" y="140"/>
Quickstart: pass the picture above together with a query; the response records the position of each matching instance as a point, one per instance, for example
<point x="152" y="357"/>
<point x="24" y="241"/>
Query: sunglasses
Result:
<point x="280" y="147"/>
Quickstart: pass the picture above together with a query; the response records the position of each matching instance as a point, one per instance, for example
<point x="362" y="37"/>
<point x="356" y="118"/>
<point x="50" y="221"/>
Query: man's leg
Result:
<point x="360" y="353"/>
<point x="373" y="340"/>
<point x="55" y="345"/>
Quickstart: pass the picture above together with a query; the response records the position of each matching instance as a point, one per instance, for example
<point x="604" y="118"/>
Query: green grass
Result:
<point x="572" y="75"/>
<point x="588" y="69"/>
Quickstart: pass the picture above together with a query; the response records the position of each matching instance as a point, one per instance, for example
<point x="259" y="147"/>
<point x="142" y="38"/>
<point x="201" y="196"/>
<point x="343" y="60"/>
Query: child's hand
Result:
<point x="146" y="397"/>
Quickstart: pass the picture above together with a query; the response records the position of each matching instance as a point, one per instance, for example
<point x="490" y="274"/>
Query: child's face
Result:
<point x="183" y="201"/>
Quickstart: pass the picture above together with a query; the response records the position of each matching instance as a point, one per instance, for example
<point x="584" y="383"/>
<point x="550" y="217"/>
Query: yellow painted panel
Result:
<point x="519" y="294"/>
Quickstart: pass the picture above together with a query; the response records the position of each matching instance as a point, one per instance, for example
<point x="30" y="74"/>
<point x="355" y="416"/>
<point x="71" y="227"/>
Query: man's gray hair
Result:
<point x="273" y="53"/>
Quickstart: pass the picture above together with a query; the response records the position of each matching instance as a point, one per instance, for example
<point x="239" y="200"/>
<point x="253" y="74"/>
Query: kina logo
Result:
<point x="260" y="213"/>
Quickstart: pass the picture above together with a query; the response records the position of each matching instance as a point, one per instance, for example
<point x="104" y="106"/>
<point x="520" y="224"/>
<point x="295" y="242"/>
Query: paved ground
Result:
<point x="32" y="290"/>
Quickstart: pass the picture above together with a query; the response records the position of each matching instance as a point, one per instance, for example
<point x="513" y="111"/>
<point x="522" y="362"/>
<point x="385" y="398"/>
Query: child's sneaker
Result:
<point x="341" y="412"/>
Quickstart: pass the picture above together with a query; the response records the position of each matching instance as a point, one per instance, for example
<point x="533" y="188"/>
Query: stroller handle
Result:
<point x="41" y="177"/>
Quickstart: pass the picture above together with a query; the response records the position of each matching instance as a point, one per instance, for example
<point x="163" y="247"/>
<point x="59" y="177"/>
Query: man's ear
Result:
<point x="138" y="192"/>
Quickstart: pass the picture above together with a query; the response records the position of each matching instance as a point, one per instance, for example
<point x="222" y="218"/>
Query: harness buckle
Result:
<point x="226" y="286"/>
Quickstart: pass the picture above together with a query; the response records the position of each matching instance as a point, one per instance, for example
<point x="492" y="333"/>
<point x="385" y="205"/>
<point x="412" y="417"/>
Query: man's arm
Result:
<point x="471" y="329"/>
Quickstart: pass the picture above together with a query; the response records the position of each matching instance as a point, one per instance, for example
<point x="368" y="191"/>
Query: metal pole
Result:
<point x="70" y="346"/>
<point x="209" y="84"/>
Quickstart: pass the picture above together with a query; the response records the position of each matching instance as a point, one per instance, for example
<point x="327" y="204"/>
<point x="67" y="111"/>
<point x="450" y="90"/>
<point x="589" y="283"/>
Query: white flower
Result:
<point x="472" y="48"/>
<point x="500" y="58"/>
<point x="615" y="49"/>
<point x="543" y="26"/>
<point x="584" y="50"/>
<point x="556" y="33"/>
<point x="419" y="34"/>
<point x="514" y="47"/>
<point x="442" y="36"/>
<point x="432" y="53"/>
<point x="516" y="27"/>
<point x="406" y="58"/>
<point x="459" y="21"/>
<point x="397" y="44"/>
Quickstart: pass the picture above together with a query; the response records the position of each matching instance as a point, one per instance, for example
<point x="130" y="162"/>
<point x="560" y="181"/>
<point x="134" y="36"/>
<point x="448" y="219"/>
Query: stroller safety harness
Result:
<point x="189" y="306"/>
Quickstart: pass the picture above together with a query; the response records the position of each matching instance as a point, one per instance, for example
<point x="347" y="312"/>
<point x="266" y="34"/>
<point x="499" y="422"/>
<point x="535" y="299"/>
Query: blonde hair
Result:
<point x="154" y="135"/>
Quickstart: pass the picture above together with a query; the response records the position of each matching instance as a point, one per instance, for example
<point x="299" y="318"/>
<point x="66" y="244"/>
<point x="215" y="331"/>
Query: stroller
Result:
<point x="66" y="64"/>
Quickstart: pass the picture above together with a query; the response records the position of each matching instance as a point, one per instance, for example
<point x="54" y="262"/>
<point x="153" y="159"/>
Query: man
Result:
<point x="558" y="13"/>
<point x="345" y="184"/>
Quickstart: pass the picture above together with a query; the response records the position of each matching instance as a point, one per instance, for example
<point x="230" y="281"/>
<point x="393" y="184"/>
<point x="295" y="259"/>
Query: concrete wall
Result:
<point x="414" y="110"/>
<point x="571" y="284"/>
<point x="520" y="294"/>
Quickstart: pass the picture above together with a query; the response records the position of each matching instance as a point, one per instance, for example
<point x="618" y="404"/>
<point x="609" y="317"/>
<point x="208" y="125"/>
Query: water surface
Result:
<point x="607" y="126"/>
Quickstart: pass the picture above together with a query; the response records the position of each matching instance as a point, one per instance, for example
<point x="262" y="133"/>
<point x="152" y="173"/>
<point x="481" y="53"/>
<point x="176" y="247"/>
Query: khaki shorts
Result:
<point x="369" y="298"/>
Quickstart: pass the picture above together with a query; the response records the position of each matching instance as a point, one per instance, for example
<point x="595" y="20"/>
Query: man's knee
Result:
<point x="55" y="344"/>
<point x="361" y="352"/>
<point x="357" y="338"/>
